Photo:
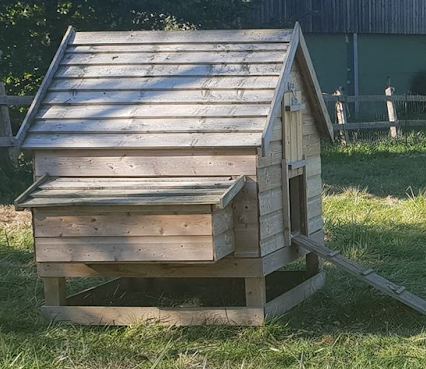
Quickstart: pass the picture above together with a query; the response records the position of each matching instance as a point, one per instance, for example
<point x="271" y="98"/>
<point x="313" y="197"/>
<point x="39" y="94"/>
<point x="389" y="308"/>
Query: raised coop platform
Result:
<point x="230" y="301"/>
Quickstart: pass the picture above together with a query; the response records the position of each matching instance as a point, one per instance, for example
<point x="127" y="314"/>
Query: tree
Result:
<point x="31" y="30"/>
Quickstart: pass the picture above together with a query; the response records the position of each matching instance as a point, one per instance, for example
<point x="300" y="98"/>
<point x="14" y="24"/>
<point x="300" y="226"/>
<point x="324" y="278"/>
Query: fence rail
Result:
<point x="375" y="98"/>
<point x="7" y="143"/>
<point x="6" y="133"/>
<point x="389" y="101"/>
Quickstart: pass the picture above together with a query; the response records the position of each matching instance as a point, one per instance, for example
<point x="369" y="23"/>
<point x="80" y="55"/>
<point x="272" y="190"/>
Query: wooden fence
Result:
<point x="388" y="101"/>
<point x="7" y="143"/>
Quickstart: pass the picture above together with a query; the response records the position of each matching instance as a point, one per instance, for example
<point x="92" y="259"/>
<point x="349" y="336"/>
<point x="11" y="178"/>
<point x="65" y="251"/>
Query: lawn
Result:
<point x="375" y="211"/>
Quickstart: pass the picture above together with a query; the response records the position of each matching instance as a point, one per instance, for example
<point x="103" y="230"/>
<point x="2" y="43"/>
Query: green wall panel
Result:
<point x="399" y="57"/>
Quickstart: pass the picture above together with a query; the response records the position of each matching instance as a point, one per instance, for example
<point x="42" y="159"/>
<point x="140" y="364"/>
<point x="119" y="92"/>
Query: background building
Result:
<point x="361" y="45"/>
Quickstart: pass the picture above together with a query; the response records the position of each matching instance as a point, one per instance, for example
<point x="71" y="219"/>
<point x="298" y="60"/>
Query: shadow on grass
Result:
<point x="348" y="305"/>
<point x="385" y="170"/>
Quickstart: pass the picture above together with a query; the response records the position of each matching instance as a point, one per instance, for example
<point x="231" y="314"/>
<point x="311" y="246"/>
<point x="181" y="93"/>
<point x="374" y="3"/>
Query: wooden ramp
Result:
<point x="399" y="293"/>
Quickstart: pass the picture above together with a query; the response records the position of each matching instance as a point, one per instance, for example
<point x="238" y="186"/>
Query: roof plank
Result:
<point x="228" y="57"/>
<point x="50" y="195"/>
<point x="152" y="97"/>
<point x="152" y="125"/>
<point x="164" y="83"/>
<point x="159" y="48"/>
<point x="152" y="111"/>
<point x="162" y="70"/>
<point x="196" y="37"/>
<point x="139" y="141"/>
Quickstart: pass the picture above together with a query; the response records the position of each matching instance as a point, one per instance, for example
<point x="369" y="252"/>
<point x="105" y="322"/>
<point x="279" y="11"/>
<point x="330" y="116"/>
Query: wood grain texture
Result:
<point x="123" y="316"/>
<point x="124" y="249"/>
<point x="128" y="163"/>
<point x="160" y="70"/>
<point x="164" y="83"/>
<point x="135" y="193"/>
<point x="151" y="125"/>
<point x="141" y="141"/>
<point x="121" y="224"/>
<point x="227" y="267"/>
<point x="152" y="97"/>
<point x="177" y="48"/>
<point x="153" y="111"/>
<point x="246" y="221"/>
<point x="190" y="57"/>
<point x="197" y="37"/>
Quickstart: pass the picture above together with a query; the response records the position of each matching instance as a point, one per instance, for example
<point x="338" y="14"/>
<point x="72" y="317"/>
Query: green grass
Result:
<point x="369" y="214"/>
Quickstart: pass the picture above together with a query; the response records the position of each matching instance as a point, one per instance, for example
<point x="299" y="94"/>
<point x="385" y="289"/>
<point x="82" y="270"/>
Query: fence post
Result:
<point x="5" y="125"/>
<point x="341" y="117"/>
<point x="391" y="112"/>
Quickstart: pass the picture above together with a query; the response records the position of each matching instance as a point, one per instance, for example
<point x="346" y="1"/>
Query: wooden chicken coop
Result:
<point x="166" y="158"/>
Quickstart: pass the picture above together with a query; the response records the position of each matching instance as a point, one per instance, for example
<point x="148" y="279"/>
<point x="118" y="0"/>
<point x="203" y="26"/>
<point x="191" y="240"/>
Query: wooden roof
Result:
<point x="157" y="89"/>
<point x="53" y="192"/>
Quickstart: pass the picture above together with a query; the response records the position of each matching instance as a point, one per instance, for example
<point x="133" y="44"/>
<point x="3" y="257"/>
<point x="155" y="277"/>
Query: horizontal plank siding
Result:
<point x="270" y="193"/>
<point x="269" y="177"/>
<point x="270" y="201"/>
<point x="124" y="249"/>
<point x="121" y="224"/>
<point x="131" y="163"/>
<point x="271" y="224"/>
<point x="246" y="220"/>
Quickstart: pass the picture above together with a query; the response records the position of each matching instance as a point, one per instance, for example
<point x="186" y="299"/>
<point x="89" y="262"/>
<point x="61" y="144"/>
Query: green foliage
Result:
<point x="31" y="30"/>
<point x="14" y="181"/>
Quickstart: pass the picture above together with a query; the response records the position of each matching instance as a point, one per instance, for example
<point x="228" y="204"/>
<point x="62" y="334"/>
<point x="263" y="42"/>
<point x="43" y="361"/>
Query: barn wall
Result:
<point x="337" y="16"/>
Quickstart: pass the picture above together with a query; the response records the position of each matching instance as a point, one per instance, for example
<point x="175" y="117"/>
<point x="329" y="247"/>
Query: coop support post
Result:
<point x="391" y="112"/>
<point x="255" y="289"/>
<point x="55" y="291"/>
<point x="341" y="117"/>
<point x="314" y="264"/>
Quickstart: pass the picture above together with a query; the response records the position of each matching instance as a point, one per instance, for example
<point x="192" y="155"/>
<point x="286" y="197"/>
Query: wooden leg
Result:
<point x="314" y="264"/>
<point x="54" y="291"/>
<point x="255" y="291"/>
